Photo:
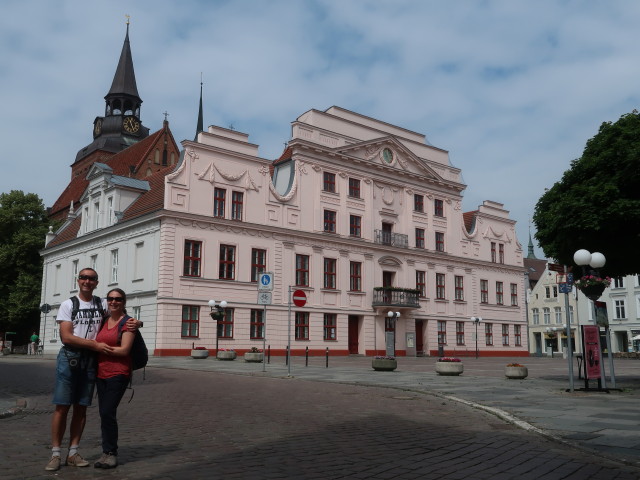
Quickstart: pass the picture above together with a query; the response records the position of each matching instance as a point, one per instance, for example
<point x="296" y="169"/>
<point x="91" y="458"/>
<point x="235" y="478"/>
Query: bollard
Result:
<point x="193" y="345"/>
<point x="306" y="357"/>
<point x="269" y="354"/>
<point x="327" y="359"/>
<point x="286" y="356"/>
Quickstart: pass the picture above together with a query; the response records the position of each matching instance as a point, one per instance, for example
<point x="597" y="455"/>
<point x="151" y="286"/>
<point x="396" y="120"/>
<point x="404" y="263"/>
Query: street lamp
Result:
<point x="596" y="260"/>
<point x="217" y="314"/>
<point x="390" y="334"/>
<point x="477" y="321"/>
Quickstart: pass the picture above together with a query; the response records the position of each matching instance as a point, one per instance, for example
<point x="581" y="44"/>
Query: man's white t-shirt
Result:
<point x="87" y="321"/>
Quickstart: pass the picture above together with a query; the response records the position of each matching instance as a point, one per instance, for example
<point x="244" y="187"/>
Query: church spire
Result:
<point x="530" y="252"/>
<point x="120" y="127"/>
<point x="124" y="91"/>
<point x="200" y="126"/>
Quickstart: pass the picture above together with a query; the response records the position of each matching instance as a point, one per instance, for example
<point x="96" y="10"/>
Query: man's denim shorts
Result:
<point x="74" y="386"/>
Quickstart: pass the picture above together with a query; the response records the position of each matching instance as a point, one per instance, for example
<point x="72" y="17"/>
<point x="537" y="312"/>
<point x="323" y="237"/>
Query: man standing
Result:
<point x="33" y="344"/>
<point x="76" y="366"/>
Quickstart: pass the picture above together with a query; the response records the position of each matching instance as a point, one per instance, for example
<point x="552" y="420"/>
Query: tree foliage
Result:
<point x="596" y="204"/>
<point x="23" y="226"/>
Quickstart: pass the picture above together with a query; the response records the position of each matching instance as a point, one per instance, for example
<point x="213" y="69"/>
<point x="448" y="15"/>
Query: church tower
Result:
<point x="120" y="127"/>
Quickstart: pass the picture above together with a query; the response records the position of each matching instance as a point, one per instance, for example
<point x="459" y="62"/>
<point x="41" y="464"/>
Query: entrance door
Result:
<point x="354" y="346"/>
<point x="419" y="338"/>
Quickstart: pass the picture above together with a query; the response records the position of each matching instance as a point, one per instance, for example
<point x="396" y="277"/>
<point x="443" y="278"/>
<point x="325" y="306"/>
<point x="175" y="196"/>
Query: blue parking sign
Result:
<point x="265" y="282"/>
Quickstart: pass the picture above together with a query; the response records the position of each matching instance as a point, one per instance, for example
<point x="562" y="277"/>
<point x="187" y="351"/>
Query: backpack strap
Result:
<point x="75" y="307"/>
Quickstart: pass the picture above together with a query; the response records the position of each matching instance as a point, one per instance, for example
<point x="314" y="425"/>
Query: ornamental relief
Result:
<point x="328" y="199"/>
<point x="192" y="156"/>
<point x="209" y="174"/>
<point x="387" y="193"/>
<point x="491" y="234"/>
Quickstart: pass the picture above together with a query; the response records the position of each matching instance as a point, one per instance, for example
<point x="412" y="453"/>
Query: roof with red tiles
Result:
<point x="133" y="162"/>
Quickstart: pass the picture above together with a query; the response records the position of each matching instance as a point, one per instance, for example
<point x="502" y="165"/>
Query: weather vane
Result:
<point x="128" y="17"/>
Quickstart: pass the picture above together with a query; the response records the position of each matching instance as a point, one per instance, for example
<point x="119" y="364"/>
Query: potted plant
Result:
<point x="592" y="285"/>
<point x="254" y="355"/>
<point x="226" y="354"/>
<point x="516" y="371"/>
<point x="449" y="366"/>
<point x="199" y="352"/>
<point x="384" y="363"/>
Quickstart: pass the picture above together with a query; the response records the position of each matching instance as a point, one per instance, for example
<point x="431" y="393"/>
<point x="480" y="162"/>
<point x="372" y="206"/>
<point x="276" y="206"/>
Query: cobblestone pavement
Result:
<point x="191" y="424"/>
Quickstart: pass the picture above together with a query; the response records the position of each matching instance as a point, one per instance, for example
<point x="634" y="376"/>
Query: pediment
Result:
<point x="390" y="153"/>
<point x="390" y="261"/>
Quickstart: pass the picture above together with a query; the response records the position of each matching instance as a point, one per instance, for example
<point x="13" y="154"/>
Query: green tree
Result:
<point x="596" y="204"/>
<point x="23" y="226"/>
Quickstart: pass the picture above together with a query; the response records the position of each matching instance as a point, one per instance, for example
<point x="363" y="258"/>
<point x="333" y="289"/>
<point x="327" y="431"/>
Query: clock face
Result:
<point x="97" y="127"/>
<point x="131" y="124"/>
<point x="387" y="155"/>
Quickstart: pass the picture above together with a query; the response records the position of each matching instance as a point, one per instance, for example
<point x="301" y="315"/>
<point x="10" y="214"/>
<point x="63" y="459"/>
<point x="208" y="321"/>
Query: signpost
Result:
<point x="299" y="298"/>
<point x="265" y="287"/>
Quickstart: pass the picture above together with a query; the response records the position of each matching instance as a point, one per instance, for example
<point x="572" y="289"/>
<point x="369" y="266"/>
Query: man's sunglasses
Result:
<point x="115" y="299"/>
<point x="88" y="277"/>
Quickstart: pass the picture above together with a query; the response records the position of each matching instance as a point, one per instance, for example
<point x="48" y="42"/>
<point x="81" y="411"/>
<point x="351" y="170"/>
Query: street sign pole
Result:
<point x="569" y="346"/>
<point x="264" y="339"/>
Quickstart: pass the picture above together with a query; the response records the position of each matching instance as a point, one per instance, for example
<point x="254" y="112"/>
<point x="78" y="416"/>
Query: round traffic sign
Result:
<point x="299" y="298"/>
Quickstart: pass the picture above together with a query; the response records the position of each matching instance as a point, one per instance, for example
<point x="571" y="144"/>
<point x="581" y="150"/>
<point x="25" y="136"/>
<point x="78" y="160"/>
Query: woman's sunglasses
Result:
<point x="115" y="299"/>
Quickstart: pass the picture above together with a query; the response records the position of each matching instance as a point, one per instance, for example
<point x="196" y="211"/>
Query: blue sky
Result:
<point x="513" y="89"/>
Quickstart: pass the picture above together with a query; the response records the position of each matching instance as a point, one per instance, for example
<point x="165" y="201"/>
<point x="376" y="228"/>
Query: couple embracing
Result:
<point x="97" y="337"/>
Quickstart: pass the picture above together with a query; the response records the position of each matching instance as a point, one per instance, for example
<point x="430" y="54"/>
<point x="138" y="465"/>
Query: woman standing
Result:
<point x="114" y="371"/>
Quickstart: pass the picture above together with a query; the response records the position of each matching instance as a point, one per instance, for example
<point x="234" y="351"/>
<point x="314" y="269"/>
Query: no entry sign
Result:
<point x="299" y="298"/>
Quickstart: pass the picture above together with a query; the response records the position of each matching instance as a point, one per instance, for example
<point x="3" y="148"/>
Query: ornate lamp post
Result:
<point x="592" y="285"/>
<point x="390" y="333"/>
<point x="477" y="321"/>
<point x="217" y="314"/>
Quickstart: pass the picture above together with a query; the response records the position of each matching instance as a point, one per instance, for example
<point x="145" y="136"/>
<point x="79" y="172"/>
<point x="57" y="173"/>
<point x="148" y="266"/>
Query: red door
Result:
<point x="353" y="334"/>
<point x="419" y="338"/>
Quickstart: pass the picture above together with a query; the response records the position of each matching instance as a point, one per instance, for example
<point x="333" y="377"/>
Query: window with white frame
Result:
<point x="114" y="266"/>
<point x="86" y="220"/>
<point x="93" y="262"/>
<point x="570" y="314"/>
<point x="499" y="293"/>
<point x="488" y="333"/>
<point x="558" y="314"/>
<point x="96" y="213"/>
<point x="536" y="316"/>
<point x="138" y="261"/>
<point x="421" y="282"/>
<point x="546" y="313"/>
<point x="74" y="275"/>
<point x="110" y="211"/>
<point x="620" y="308"/>
<point x="459" y="288"/>
<point x="136" y="312"/>
<point x="330" y="326"/>
<point x="618" y="282"/>
<point x="484" y="291"/>
<point x="56" y="279"/>
<point x="257" y="324"/>
<point x="459" y="333"/>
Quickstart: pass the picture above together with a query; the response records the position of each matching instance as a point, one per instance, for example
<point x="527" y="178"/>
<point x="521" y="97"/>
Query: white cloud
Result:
<point x="512" y="89"/>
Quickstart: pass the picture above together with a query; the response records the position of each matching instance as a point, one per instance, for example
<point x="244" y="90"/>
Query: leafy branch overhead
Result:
<point x="596" y="204"/>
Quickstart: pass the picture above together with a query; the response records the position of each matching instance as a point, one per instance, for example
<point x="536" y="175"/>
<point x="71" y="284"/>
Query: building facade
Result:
<point x="364" y="217"/>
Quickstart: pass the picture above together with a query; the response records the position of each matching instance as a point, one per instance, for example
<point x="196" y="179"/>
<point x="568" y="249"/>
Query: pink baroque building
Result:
<point x="364" y="217"/>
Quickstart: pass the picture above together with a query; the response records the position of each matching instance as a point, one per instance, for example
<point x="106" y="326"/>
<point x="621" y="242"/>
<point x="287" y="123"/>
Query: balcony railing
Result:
<point x="396" y="297"/>
<point x="392" y="239"/>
